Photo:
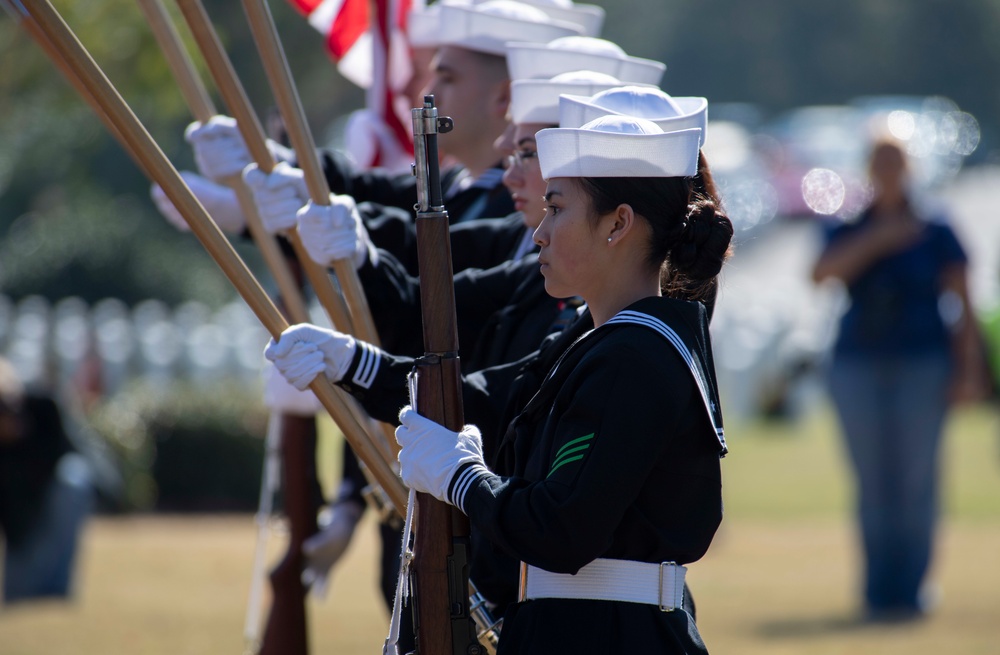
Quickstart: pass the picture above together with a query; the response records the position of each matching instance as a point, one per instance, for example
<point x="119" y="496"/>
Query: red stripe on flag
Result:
<point x="305" y="7"/>
<point x="351" y="22"/>
<point x="352" y="19"/>
<point x="392" y="14"/>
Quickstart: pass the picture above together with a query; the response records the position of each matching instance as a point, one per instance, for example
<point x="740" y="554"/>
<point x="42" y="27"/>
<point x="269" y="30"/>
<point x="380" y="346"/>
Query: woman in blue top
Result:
<point x="896" y="366"/>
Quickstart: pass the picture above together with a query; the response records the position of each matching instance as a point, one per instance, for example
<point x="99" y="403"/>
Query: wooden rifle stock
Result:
<point x="440" y="569"/>
<point x="286" y="630"/>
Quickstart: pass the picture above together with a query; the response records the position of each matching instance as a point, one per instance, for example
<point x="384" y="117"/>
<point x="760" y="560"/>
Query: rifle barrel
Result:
<point x="443" y="619"/>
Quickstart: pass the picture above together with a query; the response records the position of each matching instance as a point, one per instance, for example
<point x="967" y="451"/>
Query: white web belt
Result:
<point x="609" y="579"/>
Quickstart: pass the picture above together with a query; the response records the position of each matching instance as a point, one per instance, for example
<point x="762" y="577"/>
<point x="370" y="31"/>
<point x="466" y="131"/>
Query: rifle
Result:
<point x="440" y="570"/>
<point x="286" y="627"/>
<point x="286" y="630"/>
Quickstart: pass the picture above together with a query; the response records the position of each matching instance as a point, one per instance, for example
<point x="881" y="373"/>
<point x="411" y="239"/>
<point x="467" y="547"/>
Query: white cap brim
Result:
<point x="467" y="28"/>
<point x="423" y="26"/>
<point x="537" y="101"/>
<point x="423" y="22"/>
<point x="535" y="60"/>
<point x="575" y="152"/>
<point x="590" y="18"/>
<point x="576" y="110"/>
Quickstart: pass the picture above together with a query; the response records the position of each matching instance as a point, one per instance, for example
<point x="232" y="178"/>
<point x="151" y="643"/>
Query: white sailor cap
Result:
<point x="489" y="26"/>
<point x="423" y="24"/>
<point x="590" y="18"/>
<point x="545" y="60"/>
<point x="617" y="146"/>
<point x="537" y="101"/>
<point x="649" y="102"/>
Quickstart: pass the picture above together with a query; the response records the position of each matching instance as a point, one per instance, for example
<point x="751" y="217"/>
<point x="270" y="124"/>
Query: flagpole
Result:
<point x="287" y="619"/>
<point x="189" y="82"/>
<point x="276" y="67"/>
<point x="280" y="78"/>
<point x="238" y="104"/>
<point x="67" y="49"/>
<point x="200" y="104"/>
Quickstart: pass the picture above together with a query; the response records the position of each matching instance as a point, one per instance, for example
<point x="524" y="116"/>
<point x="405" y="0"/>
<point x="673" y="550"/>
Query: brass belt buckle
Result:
<point x="522" y="584"/>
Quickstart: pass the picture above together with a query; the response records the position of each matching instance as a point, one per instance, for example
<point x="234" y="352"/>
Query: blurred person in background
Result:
<point x="45" y="493"/>
<point x="908" y="348"/>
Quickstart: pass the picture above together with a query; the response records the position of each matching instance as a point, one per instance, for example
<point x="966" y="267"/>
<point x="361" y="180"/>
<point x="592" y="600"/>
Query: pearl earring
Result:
<point x="609" y="239"/>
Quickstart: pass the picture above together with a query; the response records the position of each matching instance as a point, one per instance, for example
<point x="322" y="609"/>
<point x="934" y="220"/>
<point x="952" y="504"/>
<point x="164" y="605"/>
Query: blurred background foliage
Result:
<point x="181" y="448"/>
<point x="75" y="215"/>
<point x="779" y="54"/>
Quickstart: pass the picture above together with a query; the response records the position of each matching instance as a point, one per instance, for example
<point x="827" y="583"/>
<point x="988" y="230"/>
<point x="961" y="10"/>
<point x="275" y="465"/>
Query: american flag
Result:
<point x="372" y="52"/>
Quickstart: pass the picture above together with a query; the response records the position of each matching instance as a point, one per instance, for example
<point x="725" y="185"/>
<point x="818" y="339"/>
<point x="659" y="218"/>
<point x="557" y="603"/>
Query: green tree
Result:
<point x="75" y="214"/>
<point x="780" y="54"/>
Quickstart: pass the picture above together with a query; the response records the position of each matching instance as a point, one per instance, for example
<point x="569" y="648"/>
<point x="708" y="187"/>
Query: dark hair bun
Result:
<point x="703" y="245"/>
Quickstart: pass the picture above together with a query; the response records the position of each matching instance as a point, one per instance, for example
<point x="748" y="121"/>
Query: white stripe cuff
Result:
<point x="461" y="485"/>
<point x="367" y="369"/>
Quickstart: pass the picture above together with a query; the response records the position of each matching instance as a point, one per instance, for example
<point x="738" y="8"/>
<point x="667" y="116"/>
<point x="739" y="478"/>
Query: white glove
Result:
<point x="431" y="453"/>
<point x="282" y="398"/>
<point x="219" y="149"/>
<point x="304" y="351"/>
<point x="334" y="232"/>
<point x="279" y="152"/>
<point x="326" y="547"/>
<point x="219" y="201"/>
<point x="278" y="195"/>
<point x="367" y="137"/>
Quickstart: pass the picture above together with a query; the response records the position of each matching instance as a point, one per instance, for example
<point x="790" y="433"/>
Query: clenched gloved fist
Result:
<point x="219" y="149"/>
<point x="219" y="201"/>
<point x="278" y="195"/>
<point x="431" y="453"/>
<point x="334" y="232"/>
<point x="325" y="548"/>
<point x="304" y="351"/>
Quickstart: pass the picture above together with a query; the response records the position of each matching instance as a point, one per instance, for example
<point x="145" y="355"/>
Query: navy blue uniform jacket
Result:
<point x="616" y="456"/>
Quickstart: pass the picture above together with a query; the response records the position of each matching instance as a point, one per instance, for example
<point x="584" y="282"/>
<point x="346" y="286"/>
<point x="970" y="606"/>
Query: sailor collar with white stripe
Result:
<point x="664" y="330"/>
<point x="631" y="316"/>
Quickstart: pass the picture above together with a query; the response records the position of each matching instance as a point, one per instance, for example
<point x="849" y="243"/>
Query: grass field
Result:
<point x="780" y="578"/>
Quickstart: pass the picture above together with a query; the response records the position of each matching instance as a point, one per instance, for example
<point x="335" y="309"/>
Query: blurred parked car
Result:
<point x="817" y="154"/>
<point x="740" y="175"/>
